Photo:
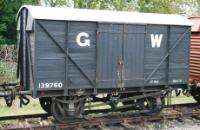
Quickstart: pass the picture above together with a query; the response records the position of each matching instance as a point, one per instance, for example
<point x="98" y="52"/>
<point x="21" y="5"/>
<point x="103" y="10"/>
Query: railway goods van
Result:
<point x="68" y="57"/>
<point x="195" y="50"/>
<point x="194" y="70"/>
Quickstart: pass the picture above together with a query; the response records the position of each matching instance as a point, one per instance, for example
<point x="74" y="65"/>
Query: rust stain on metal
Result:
<point x="195" y="50"/>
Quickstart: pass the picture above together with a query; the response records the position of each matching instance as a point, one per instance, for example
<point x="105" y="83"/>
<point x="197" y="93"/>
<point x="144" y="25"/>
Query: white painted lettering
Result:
<point x="86" y="41"/>
<point x="156" y="40"/>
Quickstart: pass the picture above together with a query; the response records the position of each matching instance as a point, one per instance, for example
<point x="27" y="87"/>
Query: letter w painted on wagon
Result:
<point x="156" y="40"/>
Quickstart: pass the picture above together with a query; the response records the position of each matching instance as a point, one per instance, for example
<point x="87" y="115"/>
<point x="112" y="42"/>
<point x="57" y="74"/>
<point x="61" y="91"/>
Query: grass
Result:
<point x="8" y="72"/>
<point x="32" y="107"/>
<point x="182" y="99"/>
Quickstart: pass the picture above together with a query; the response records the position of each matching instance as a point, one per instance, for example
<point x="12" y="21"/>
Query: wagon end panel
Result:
<point x="25" y="52"/>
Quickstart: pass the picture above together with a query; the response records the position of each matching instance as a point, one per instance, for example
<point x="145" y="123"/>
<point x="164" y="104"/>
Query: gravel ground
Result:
<point x="185" y="124"/>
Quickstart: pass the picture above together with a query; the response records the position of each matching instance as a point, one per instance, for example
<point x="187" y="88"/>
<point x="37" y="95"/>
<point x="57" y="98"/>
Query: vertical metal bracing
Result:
<point x="66" y="61"/>
<point x="122" y="64"/>
<point x="28" y="63"/>
<point x="145" y="39"/>
<point x="23" y="48"/>
<point x="96" y="60"/>
<point x="167" y="59"/>
<point x="23" y="42"/>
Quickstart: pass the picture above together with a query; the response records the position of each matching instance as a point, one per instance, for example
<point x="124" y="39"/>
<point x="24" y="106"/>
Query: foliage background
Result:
<point x="8" y="11"/>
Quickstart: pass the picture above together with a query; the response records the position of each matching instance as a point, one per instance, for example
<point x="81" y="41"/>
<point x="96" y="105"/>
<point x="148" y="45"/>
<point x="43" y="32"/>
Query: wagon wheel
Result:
<point x="197" y="97"/>
<point x="151" y="104"/>
<point x="45" y="103"/>
<point x="60" y="110"/>
<point x="195" y="92"/>
<point x="126" y="95"/>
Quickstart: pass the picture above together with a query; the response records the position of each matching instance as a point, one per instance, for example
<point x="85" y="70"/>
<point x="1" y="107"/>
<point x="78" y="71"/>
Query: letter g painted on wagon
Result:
<point x="86" y="40"/>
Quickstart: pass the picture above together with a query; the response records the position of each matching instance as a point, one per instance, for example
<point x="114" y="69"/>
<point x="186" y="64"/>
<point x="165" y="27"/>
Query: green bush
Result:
<point x="7" y="72"/>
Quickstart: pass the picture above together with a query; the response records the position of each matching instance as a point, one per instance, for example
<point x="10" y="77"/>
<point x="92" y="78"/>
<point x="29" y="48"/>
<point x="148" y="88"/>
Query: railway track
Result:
<point x="45" y="122"/>
<point x="22" y="117"/>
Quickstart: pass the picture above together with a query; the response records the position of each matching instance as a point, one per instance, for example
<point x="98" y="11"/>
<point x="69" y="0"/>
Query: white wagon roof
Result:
<point x="70" y="14"/>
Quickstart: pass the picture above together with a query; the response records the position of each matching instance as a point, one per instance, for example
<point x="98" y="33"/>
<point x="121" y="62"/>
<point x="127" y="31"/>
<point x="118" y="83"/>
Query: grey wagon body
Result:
<point x="67" y="56"/>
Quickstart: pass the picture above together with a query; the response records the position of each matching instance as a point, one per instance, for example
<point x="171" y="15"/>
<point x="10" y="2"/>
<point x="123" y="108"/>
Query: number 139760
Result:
<point x="50" y="85"/>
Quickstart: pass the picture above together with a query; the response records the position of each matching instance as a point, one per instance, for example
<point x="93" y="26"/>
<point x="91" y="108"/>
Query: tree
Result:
<point x="197" y="7"/>
<point x="8" y="11"/>
<point x="127" y="5"/>
<point x="165" y="6"/>
<point x="186" y="7"/>
<point x="55" y="3"/>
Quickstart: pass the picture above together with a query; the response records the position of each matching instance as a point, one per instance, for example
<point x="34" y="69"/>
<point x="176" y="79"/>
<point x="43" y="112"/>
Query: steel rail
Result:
<point x="15" y="117"/>
<point x="125" y="120"/>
